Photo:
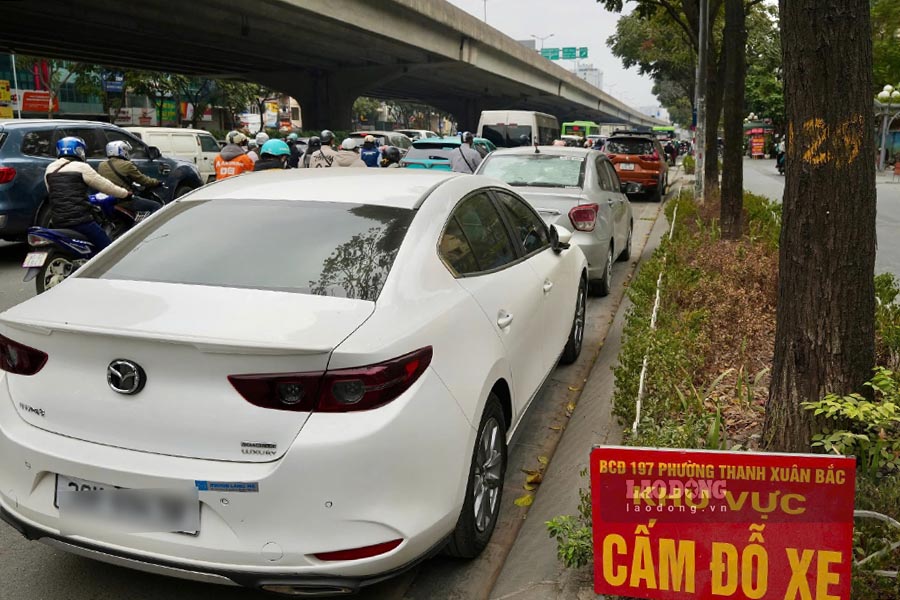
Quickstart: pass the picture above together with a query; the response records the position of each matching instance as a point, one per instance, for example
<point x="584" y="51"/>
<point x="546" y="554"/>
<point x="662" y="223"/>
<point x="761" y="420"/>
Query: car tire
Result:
<point x="626" y="251"/>
<point x="62" y="266"/>
<point x="181" y="190"/>
<point x="601" y="287"/>
<point x="576" y="335"/>
<point x="486" y="475"/>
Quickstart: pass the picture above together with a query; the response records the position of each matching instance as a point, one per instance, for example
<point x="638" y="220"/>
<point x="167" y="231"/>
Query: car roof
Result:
<point x="378" y="132"/>
<point x="552" y="150"/>
<point x="632" y="134"/>
<point x="49" y="122"/>
<point x="450" y="139"/>
<point x="384" y="187"/>
<point x="165" y="129"/>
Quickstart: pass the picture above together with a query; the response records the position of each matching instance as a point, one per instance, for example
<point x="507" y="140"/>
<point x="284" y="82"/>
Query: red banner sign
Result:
<point x="702" y="525"/>
<point x="758" y="146"/>
<point x="38" y="101"/>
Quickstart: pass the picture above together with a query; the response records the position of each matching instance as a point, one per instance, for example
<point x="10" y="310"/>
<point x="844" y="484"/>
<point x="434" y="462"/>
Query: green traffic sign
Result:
<point x="582" y="53"/>
<point x="550" y="53"/>
<point x="568" y="53"/>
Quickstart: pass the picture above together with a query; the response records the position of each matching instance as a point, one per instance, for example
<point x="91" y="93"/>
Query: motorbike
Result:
<point x="57" y="253"/>
<point x="779" y="163"/>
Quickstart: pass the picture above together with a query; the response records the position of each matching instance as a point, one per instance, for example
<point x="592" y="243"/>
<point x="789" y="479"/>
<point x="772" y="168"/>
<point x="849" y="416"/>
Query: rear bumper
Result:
<point x="348" y="481"/>
<point x="322" y="585"/>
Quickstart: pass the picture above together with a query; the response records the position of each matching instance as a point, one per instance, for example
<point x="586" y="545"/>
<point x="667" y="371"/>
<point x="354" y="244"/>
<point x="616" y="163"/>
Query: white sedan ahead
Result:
<point x="297" y="381"/>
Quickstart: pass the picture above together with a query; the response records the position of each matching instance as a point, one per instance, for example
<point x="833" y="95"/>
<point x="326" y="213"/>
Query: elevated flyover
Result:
<point x="325" y="53"/>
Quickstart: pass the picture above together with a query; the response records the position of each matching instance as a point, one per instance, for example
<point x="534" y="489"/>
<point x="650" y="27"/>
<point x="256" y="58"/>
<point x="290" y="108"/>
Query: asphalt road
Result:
<point x="760" y="177"/>
<point x="32" y="571"/>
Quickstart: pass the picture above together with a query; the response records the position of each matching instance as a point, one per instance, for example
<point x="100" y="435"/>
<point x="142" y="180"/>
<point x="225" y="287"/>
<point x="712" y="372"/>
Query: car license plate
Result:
<point x="136" y="511"/>
<point x="626" y="166"/>
<point x="34" y="260"/>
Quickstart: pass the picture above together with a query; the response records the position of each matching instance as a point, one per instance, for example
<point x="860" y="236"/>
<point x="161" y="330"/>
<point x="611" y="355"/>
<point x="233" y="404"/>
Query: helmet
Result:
<point x="261" y="138"/>
<point x="370" y="139"/>
<point x="392" y="153"/>
<point x="327" y="136"/>
<point x="292" y="137"/>
<point x="468" y="137"/>
<point x="349" y="144"/>
<point x="276" y="148"/>
<point x="119" y="148"/>
<point x="313" y="143"/>
<point x="71" y="146"/>
<point x="236" y="137"/>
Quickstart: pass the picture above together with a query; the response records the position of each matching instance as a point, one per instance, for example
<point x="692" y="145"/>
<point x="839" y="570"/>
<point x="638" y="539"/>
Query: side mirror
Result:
<point x="630" y="187"/>
<point x="559" y="238"/>
<point x="153" y="153"/>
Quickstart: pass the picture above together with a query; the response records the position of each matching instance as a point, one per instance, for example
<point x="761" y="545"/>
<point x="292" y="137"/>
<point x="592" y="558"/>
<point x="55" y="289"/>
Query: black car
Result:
<point x="28" y="146"/>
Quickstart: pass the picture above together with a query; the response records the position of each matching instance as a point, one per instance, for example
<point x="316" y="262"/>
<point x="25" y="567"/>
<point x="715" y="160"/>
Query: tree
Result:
<point x="886" y="42"/>
<point x="52" y="75"/>
<point x="158" y="87"/>
<point x="365" y="108"/>
<point x="196" y="91"/>
<point x="733" y="169"/>
<point x="825" y="332"/>
<point x="764" y="88"/>
<point x="234" y="97"/>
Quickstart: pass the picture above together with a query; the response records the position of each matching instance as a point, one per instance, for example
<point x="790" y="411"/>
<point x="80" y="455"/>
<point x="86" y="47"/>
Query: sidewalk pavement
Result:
<point x="532" y="570"/>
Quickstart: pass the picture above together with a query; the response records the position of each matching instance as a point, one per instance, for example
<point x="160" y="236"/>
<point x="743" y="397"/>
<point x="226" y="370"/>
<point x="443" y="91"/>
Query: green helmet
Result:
<point x="292" y="137"/>
<point x="276" y="148"/>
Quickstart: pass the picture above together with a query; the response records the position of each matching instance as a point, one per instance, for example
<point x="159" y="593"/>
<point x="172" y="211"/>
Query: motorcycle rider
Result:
<point x="324" y="157"/>
<point x="121" y="171"/>
<point x="312" y="146"/>
<point x="465" y="159"/>
<point x="370" y="154"/>
<point x="348" y="155"/>
<point x="294" y="160"/>
<point x="233" y="159"/>
<point x="274" y="154"/>
<point x="780" y="151"/>
<point x="256" y="144"/>
<point x="391" y="158"/>
<point x="69" y="179"/>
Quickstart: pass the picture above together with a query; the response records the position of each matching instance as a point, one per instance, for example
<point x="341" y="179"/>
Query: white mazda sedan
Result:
<point x="297" y="381"/>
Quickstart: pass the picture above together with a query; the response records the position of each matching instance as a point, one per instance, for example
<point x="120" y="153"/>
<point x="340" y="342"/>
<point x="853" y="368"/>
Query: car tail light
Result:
<point x="584" y="217"/>
<point x="610" y="156"/>
<point x="342" y="390"/>
<point x="20" y="359"/>
<point x="7" y="174"/>
<point x="373" y="386"/>
<point x="358" y="553"/>
<point x="651" y="157"/>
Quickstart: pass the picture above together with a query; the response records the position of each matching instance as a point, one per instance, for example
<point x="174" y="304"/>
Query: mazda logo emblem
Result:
<point x="125" y="377"/>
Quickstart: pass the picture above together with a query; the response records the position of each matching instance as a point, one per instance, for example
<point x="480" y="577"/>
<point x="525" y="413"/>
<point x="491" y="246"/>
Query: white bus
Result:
<point x="511" y="128"/>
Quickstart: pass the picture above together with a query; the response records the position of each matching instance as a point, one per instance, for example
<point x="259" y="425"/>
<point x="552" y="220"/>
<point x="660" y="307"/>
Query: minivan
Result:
<point x="193" y="145"/>
<point x="512" y="128"/>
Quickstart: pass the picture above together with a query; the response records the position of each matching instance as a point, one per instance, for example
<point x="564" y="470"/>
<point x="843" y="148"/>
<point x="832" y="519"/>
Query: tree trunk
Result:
<point x="714" y="90"/>
<point x="735" y="49"/>
<point x="825" y="331"/>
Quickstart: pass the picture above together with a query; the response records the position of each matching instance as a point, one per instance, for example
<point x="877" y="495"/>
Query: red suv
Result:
<point x="639" y="157"/>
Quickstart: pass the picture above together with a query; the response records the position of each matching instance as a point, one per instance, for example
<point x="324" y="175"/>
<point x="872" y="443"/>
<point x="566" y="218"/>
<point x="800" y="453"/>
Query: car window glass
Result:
<point x="94" y="140"/>
<point x="208" y="143"/>
<point x="536" y="170"/>
<point x="346" y="250"/>
<point x="605" y="182"/>
<point x="629" y="146"/>
<point x="138" y="149"/>
<point x="39" y="143"/>
<point x="480" y="223"/>
<point x="613" y="176"/>
<point x="456" y="251"/>
<point x="528" y="226"/>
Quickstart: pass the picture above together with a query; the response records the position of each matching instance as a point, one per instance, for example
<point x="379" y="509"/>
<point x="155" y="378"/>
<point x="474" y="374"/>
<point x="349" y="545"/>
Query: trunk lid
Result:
<point x="188" y="339"/>
<point x="553" y="204"/>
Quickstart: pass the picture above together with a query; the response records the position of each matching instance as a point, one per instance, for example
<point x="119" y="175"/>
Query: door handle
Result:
<point x="548" y="285"/>
<point x="504" y="319"/>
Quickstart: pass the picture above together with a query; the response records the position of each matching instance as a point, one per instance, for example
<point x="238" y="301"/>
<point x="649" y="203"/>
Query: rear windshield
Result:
<point x="507" y="136"/>
<point x="323" y="248"/>
<point x="628" y="146"/>
<point x="536" y="170"/>
<point x="433" y="152"/>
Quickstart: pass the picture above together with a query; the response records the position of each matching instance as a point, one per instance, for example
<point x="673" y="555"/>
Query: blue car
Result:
<point x="27" y="146"/>
<point x="434" y="153"/>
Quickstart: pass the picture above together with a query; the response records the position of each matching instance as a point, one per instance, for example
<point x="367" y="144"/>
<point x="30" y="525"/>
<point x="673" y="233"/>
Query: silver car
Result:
<point x="578" y="189"/>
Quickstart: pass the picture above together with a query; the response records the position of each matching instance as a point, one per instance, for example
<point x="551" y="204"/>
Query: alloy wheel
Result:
<point x="487" y="474"/>
<point x="579" y="317"/>
<point x="58" y="269"/>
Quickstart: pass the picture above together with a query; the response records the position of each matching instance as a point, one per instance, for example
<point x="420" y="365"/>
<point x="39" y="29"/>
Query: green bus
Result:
<point x="580" y="128"/>
<point x="664" y="132"/>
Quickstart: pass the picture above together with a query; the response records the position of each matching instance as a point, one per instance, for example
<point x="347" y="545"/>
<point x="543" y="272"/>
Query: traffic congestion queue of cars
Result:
<point x="269" y="415"/>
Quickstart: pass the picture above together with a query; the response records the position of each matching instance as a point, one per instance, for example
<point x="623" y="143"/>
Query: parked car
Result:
<point x="193" y="145"/>
<point x="575" y="188"/>
<point x="434" y="153"/>
<point x="573" y="141"/>
<point x="639" y="158"/>
<point x="417" y="134"/>
<point x="387" y="138"/>
<point x="27" y="146"/>
<point x="320" y="422"/>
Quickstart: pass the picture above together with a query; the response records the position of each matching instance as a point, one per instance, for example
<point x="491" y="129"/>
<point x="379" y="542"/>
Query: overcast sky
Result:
<point x="572" y="23"/>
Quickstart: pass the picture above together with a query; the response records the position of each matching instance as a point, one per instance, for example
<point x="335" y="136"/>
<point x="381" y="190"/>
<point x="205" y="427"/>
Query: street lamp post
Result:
<point x="541" y="39"/>
<point x="890" y="100"/>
